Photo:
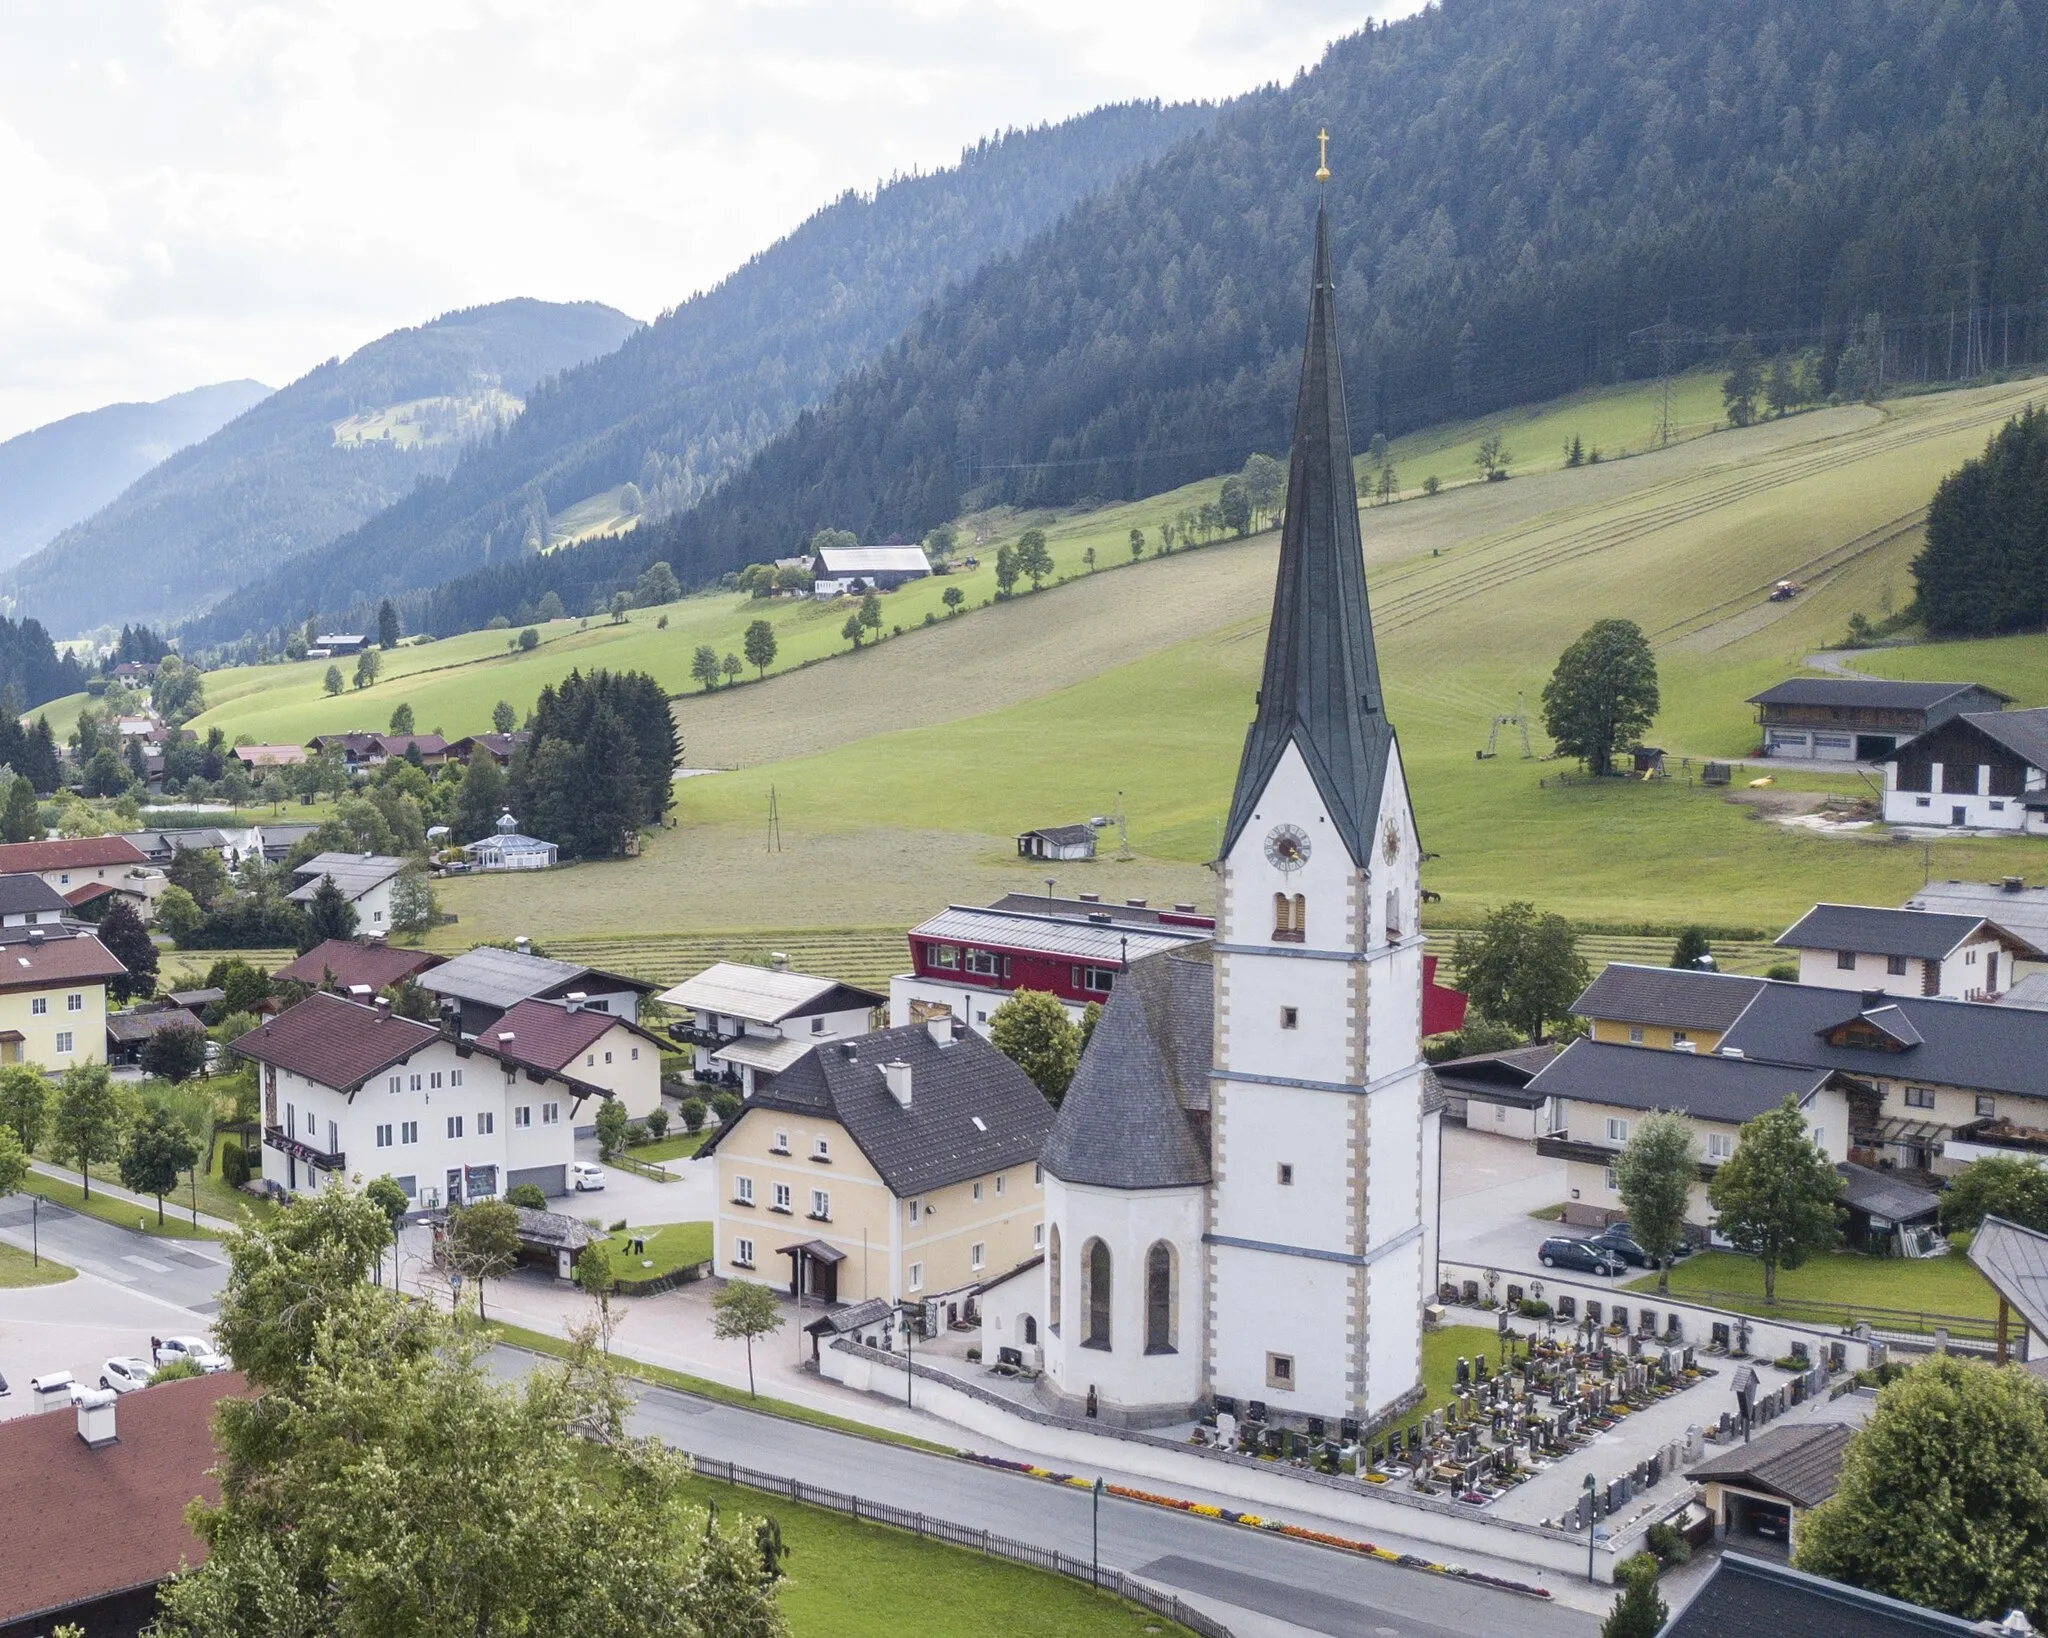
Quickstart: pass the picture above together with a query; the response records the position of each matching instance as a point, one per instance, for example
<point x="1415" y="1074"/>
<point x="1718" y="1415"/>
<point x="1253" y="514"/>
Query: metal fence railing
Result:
<point x="979" y="1541"/>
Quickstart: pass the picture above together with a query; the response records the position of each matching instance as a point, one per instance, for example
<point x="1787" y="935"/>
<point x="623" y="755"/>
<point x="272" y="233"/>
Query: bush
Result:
<point x="657" y="1124"/>
<point x="1535" y="1308"/>
<point x="617" y="1228"/>
<point x="726" y="1105"/>
<point x="530" y="1195"/>
<point x="1785" y="971"/>
<point x="234" y="1165"/>
<point x="1637" y="1565"/>
<point x="1669" y="1545"/>
<point x="694" y="1111"/>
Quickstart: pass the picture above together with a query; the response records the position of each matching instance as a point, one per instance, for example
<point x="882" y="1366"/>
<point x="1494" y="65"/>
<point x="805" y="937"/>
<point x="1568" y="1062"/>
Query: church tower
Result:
<point x="1323" y="1180"/>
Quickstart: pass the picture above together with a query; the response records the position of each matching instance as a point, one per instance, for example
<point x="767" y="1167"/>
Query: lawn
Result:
<point x="679" y="1147"/>
<point x="1825" y="1289"/>
<point x="668" y="1248"/>
<point x="118" y="1212"/>
<point x="849" y="1579"/>
<point x="19" y="1269"/>
<point x="1441" y="1350"/>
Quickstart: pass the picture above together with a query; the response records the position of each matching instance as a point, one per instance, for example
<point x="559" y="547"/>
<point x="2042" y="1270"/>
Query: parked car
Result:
<point x="1617" y="1239"/>
<point x="197" y="1349"/>
<point x="1562" y="1251"/>
<point x="124" y="1373"/>
<point x="586" y="1175"/>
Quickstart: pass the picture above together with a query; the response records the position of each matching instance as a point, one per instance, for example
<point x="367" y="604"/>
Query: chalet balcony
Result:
<point x="690" y="1035"/>
<point x="276" y="1137"/>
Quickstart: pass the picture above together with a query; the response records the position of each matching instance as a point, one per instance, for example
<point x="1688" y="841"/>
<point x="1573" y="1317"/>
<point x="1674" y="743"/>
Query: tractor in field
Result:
<point x="1785" y="590"/>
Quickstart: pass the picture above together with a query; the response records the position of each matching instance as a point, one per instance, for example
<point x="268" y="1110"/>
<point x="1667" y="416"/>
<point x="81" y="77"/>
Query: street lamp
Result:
<point x="35" y="1231"/>
<point x="1592" y="1508"/>
<point x="906" y="1309"/>
<point x="1096" y="1570"/>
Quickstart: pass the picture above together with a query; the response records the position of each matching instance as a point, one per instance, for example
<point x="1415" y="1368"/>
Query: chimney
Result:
<point x="2015" y="884"/>
<point x="523" y="944"/>
<point x="96" y="1417"/>
<point x="1184" y="909"/>
<point x="1134" y="904"/>
<point x="778" y="960"/>
<point x="505" y="1038"/>
<point x="58" y="1387"/>
<point x="384" y="1006"/>
<point x="897" y="1074"/>
<point x="849" y="1051"/>
<point x="576" y="998"/>
<point x="1090" y="898"/>
<point x="941" y="1029"/>
<point x="1873" y="998"/>
<point x="35" y="935"/>
<point x="1731" y="1052"/>
<point x="360" y="992"/>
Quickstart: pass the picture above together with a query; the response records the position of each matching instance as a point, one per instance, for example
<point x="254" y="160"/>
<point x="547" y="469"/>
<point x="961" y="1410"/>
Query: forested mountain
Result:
<point x="1520" y="192"/>
<point x="702" y="388"/>
<point x="1984" y="569"/>
<point x="307" y="463"/>
<point x="67" y="470"/>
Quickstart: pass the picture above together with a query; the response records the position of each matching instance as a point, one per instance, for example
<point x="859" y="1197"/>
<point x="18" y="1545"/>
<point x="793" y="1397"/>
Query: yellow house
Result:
<point x="1600" y="1091"/>
<point x="900" y="1165"/>
<point x="1674" y="1008"/>
<point x="53" y="997"/>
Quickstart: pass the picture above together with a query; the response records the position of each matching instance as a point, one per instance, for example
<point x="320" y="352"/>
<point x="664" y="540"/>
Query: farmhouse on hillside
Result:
<point x="1857" y="719"/>
<point x="1981" y="771"/>
<point x="838" y="571"/>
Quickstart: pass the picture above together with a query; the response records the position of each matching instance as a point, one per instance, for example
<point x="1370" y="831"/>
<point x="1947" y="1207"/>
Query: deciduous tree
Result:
<point x="1739" y="388"/>
<point x="611" y="1128"/>
<point x="128" y="942"/>
<point x="743" y="1310"/>
<point x="175" y="1054"/>
<point x="368" y="665"/>
<point x="1603" y="694"/>
<point x="760" y="644"/>
<point x="1522" y="968"/>
<point x="503" y="718"/>
<point x="1997" y="1186"/>
<point x="158" y="1149"/>
<point x="13" y="1163"/>
<point x="25" y="1104"/>
<point x="479" y="798"/>
<point x="483" y="1242"/>
<point x="86" y="1130"/>
<point x="1032" y="1029"/>
<point x="1775" y="1196"/>
<point x="332" y="683"/>
<point x="1654" y="1173"/>
<point x="413" y="905"/>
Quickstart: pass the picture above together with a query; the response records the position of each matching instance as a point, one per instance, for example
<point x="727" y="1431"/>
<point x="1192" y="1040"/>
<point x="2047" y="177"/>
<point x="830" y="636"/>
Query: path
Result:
<point x="1835" y="666"/>
<point x="146" y="1204"/>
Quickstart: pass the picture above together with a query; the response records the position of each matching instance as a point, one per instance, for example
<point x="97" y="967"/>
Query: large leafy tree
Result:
<point x="1032" y="1029"/>
<point x="1655" y="1172"/>
<point x="1997" y="1186"/>
<point x="1522" y="968"/>
<point x="158" y="1148"/>
<point x="86" y="1128"/>
<point x="24" y="1104"/>
<point x="483" y="1242"/>
<point x="1943" y="1499"/>
<point x="741" y="1311"/>
<point x="1603" y="694"/>
<point x="1775" y="1196"/>
<point x="175" y="1055"/>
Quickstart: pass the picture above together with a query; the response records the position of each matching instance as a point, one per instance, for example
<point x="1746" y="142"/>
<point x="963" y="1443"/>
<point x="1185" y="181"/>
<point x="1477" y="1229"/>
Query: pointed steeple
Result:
<point x="1321" y="687"/>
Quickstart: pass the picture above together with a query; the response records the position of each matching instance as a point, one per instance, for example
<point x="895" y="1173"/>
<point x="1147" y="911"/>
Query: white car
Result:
<point x="124" y="1373"/>
<point x="197" y="1349"/>
<point x="586" y="1175"/>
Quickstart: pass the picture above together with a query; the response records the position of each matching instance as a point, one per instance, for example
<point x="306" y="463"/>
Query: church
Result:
<point x="1241" y="1184"/>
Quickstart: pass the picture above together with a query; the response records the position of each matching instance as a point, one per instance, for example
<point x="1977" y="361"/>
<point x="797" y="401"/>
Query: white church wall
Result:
<point x="1393" y="1327"/>
<point x="1325" y="880"/>
<point x="1393" y="1156"/>
<point x="1295" y="1307"/>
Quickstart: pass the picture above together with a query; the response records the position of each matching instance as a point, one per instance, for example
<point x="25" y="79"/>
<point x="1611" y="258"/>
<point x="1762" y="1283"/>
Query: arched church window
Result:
<point x="1095" y="1286"/>
<point x="1162" y="1331"/>
<point x="1052" y="1263"/>
<point x="1290" y="918"/>
<point x="1030" y="1331"/>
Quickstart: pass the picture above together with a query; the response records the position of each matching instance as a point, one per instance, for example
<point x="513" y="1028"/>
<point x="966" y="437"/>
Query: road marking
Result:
<point x="146" y="1263"/>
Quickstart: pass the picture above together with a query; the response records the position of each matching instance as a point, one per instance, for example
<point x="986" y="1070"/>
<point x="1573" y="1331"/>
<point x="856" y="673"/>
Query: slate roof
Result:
<point x="334" y="1042"/>
<point x="28" y="964"/>
<point x="2015" y="1261"/>
<point x="1064" y="835"/>
<point x="499" y="746"/>
<point x="22" y="894"/>
<point x="2022" y="910"/>
<point x="1675" y="997"/>
<point x="1498" y="1077"/>
<point x="1746" y="1597"/>
<point x="855" y="1318"/>
<point x="2030" y="992"/>
<point x="1136" y="1114"/>
<point x="79" y="1524"/>
<point x="1701" y="1084"/>
<point x="1922" y="935"/>
<point x="765" y="995"/>
<point x="131" y="1028"/>
<point x="1884" y="1194"/>
<point x="354" y="873"/>
<point x="1801" y="1464"/>
<point x="1878" y="694"/>
<point x="1063" y="936"/>
<point x="838" y="560"/>
<point x="1320" y="689"/>
<point x="350" y="962"/>
<point x="2024" y="733"/>
<point x="936" y="1140"/>
<point x="69" y="853"/>
<point x="1140" y="914"/>
<point x="1962" y="1043"/>
<point x="493" y="977"/>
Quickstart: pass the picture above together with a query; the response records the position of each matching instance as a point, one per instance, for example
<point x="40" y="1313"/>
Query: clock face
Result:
<point x="1287" y="848"/>
<point x="1390" y="842"/>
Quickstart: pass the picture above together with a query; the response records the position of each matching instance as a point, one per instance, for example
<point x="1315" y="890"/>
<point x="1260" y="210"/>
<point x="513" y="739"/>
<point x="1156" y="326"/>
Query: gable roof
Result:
<point x="1743" y="1596"/>
<point x="78" y="1524"/>
<point x="765" y="995"/>
<point x="398" y="744"/>
<point x="494" y="977"/>
<point x="1960" y="1043"/>
<point x="1921" y="935"/>
<point x="1499" y="1077"/>
<point x="1703" y="1085"/>
<point x="838" y="560"/>
<point x="1671" y="997"/>
<point x="550" y="1035"/>
<point x="1320" y="689"/>
<point x="1135" y="1116"/>
<point x="1801" y="1463"/>
<point x="2015" y="1261"/>
<point x="22" y="893"/>
<point x="1875" y="693"/>
<point x="2024" y="733"/>
<point x="499" y="746"/>
<point x="354" y="873"/>
<point x="69" y="853"/>
<point x="334" y="1042"/>
<point x="64" y="958"/>
<point x="349" y="962"/>
<point x="936" y="1140"/>
<point x="1071" y="937"/>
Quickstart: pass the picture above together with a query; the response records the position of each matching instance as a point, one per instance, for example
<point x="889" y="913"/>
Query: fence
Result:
<point x="980" y="1541"/>
<point x="1914" y="1327"/>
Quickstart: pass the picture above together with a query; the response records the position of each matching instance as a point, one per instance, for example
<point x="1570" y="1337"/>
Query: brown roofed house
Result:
<point x="348" y="964"/>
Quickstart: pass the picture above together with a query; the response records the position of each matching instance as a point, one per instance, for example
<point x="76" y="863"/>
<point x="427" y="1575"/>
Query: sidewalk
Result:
<point x="145" y="1203"/>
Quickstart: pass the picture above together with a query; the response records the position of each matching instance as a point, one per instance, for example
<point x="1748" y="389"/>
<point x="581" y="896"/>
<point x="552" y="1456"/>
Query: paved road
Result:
<point x="1294" y="1587"/>
<point x="188" y="1273"/>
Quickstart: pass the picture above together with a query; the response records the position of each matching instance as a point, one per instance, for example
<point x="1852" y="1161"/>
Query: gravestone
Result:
<point x="1567" y="1307"/>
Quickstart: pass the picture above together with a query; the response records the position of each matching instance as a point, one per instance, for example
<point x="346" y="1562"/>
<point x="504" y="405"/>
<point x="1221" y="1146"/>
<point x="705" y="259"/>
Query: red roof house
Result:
<point x="345" y="963"/>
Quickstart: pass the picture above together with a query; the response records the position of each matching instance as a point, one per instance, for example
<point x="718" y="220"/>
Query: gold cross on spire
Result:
<point x="1323" y="163"/>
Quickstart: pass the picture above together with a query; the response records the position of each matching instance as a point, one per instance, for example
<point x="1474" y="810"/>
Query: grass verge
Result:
<point x="118" y="1212"/>
<point x="1827" y="1289"/>
<point x="681" y="1147"/>
<point x="668" y="1248"/>
<point x="539" y="1342"/>
<point x="19" y="1269"/>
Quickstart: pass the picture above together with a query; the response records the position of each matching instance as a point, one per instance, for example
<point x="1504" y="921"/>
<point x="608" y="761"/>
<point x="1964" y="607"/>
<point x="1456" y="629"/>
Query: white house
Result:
<point x="354" y="1090"/>
<point x="84" y="867"/>
<point x="1984" y="770"/>
<point x="365" y="880"/>
<point x="840" y="570"/>
<point x="1906" y="952"/>
<point x="748" y="1022"/>
<point x="585" y="1043"/>
<point x="483" y="983"/>
<point x="2010" y="902"/>
<point x="506" y="849"/>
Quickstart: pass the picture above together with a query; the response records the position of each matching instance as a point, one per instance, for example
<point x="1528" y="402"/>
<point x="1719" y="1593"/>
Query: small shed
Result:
<point x="868" y="1323"/>
<point x="1057" y="842"/>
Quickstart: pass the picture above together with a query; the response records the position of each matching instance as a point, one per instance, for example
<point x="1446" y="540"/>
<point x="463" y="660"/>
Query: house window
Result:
<point x="523" y="1115"/>
<point x="1286" y="1174"/>
<point x="38" y="1005"/>
<point x="1923" y="801"/>
<point x="434" y="1081"/>
<point x="916" y="1276"/>
<point x="822" y="1149"/>
<point x="416" y="1083"/>
<point x="486" y="1123"/>
<point x="817" y="1028"/>
<point x="743" y="1253"/>
<point x="312" y="1123"/>
<point x="943" y="955"/>
<point x="396" y="1083"/>
<point x="1097" y="979"/>
<point x="550" y="1113"/>
<point x="977" y="1191"/>
<point x="1635" y="1035"/>
<point x="1720" y="1145"/>
<point x="1095" y="1292"/>
<point x="1895" y="966"/>
<point x="1679" y="1037"/>
<point x="821" y="1206"/>
<point x="636" y="1055"/>
<point x="983" y="963"/>
<point x="999" y="1183"/>
<point x="384" y="1137"/>
<point x="455" y="1126"/>
<point x="977" y="1255"/>
<point x="1290" y="1017"/>
<point x="1617" y="1129"/>
<point x="1846" y="960"/>
<point x="781" y="1144"/>
<point x="64" y="1039"/>
<point x="589" y="1060"/>
<point x="743" y="1191"/>
<point x="1037" y="1175"/>
<point x="913" y="1211"/>
<point x="1037" y="1236"/>
<point x="781" y="1198"/>
<point x="74" y="1002"/>
<point x="1987" y="1107"/>
<point x="1280" y="1370"/>
<point x="1919" y="1097"/>
<point x="1820" y="1137"/>
<point x="1053" y="1278"/>
<point x="291" y="1118"/>
<point x="454" y="1077"/>
<point x="1612" y="1186"/>
<point x="1290" y="918"/>
<point x="408" y="1131"/>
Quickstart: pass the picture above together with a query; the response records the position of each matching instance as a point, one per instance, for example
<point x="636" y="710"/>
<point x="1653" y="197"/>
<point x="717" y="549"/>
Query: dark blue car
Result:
<point x="1562" y="1251"/>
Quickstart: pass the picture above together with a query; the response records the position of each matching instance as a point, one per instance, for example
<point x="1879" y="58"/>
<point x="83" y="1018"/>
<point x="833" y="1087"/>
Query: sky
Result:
<point x="204" y="190"/>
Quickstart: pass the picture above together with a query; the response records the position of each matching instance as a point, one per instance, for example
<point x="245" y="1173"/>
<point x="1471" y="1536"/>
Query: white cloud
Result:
<point x="204" y="189"/>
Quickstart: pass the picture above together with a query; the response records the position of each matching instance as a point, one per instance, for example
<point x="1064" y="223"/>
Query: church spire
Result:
<point x="1321" y="688"/>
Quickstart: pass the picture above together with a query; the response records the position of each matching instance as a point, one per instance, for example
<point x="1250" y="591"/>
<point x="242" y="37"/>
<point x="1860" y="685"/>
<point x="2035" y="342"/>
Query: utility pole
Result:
<point x="774" y="823"/>
<point x="1666" y="335"/>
